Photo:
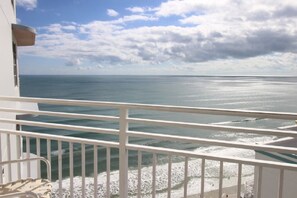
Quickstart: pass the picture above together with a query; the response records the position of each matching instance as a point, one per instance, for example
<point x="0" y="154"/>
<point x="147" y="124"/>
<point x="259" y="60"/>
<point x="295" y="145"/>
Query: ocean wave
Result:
<point x="177" y="178"/>
<point x="238" y="121"/>
<point x="56" y="152"/>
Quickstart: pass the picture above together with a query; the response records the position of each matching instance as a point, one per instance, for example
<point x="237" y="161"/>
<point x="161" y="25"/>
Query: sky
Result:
<point x="160" y="37"/>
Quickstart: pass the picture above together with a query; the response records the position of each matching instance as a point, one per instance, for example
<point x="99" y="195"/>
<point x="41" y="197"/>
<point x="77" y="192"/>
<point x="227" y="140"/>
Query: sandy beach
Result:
<point x="228" y="192"/>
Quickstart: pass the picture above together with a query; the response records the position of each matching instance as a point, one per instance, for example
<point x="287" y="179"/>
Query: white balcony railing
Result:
<point x="118" y="150"/>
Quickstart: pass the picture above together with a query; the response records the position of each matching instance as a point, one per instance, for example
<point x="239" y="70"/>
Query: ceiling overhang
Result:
<point x="24" y="35"/>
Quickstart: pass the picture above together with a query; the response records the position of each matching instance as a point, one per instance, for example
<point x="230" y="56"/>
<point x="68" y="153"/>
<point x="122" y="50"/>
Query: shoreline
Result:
<point x="227" y="192"/>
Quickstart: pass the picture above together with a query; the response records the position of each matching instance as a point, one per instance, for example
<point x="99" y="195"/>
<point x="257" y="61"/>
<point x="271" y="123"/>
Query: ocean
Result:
<point x="238" y="92"/>
<point x="261" y="93"/>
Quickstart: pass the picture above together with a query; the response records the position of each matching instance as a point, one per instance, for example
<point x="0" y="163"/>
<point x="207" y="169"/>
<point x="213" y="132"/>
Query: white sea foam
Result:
<point x="56" y="152"/>
<point x="238" y="121"/>
<point x="177" y="176"/>
<point x="194" y="177"/>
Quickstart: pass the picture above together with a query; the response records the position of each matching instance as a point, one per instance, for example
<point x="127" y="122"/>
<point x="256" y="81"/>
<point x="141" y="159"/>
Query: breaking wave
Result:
<point x="177" y="176"/>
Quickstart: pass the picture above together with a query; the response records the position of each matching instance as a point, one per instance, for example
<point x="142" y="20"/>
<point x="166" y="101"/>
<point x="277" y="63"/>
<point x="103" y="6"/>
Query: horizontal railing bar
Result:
<point x="115" y="144"/>
<point x="62" y="126"/>
<point x="213" y="142"/>
<point x="169" y="108"/>
<point x="62" y="138"/>
<point x="191" y="154"/>
<point x="280" y="133"/>
<point x="274" y="132"/>
<point x="62" y="114"/>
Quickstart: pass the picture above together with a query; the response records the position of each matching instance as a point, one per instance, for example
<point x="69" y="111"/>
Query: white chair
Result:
<point x="28" y="187"/>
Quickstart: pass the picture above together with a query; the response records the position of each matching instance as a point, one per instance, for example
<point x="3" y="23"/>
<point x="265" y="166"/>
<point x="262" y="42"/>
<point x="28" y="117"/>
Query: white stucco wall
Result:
<point x="7" y="17"/>
<point x="7" y="87"/>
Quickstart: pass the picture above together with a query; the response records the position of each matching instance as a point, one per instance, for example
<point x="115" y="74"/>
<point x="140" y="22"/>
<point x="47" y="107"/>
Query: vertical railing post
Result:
<point x="123" y="153"/>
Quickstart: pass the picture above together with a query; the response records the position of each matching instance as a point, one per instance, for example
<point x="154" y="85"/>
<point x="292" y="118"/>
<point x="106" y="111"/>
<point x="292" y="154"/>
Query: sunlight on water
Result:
<point x="256" y="93"/>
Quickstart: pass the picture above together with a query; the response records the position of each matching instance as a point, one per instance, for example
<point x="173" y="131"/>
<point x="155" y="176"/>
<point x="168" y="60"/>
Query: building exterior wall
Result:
<point x="7" y="81"/>
<point x="7" y="17"/>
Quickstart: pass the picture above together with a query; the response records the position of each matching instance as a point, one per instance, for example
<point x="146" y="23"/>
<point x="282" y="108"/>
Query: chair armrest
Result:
<point x="48" y="165"/>
<point x="14" y="194"/>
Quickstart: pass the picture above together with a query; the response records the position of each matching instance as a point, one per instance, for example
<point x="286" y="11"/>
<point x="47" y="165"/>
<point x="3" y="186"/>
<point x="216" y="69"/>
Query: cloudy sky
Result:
<point x="169" y="37"/>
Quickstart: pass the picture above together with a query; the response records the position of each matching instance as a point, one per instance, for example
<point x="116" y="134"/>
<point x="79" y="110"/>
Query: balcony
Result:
<point x="137" y="150"/>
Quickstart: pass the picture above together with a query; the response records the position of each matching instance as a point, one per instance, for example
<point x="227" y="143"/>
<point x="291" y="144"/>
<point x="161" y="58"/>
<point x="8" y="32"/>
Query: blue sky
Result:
<point x="169" y="37"/>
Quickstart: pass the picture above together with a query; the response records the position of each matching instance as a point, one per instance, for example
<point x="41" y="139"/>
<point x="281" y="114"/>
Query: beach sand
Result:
<point x="228" y="192"/>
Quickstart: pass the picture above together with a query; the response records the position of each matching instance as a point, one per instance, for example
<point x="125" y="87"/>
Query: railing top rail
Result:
<point x="168" y="108"/>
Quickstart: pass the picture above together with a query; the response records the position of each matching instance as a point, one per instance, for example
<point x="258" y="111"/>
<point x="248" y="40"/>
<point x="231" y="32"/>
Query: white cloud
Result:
<point x="136" y="9"/>
<point x="69" y="27"/>
<point x="141" y="10"/>
<point x="112" y="13"/>
<point x="231" y="35"/>
<point x="27" y="4"/>
<point x="73" y="62"/>
<point x="54" y="28"/>
<point x="83" y="68"/>
<point x="183" y="7"/>
<point x="131" y="18"/>
<point x="99" y="66"/>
